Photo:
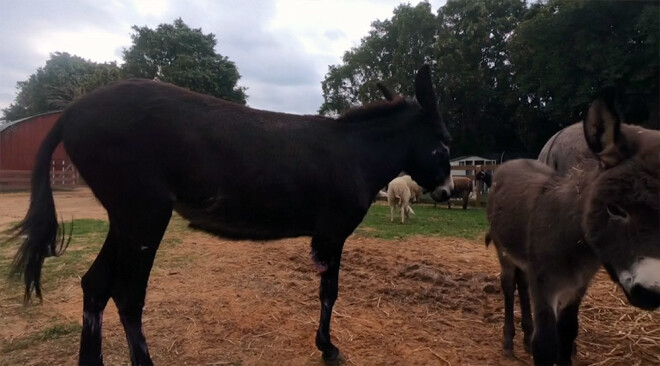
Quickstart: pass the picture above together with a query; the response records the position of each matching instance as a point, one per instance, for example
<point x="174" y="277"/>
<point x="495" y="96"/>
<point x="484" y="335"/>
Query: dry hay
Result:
<point x="611" y="332"/>
<point x="418" y="301"/>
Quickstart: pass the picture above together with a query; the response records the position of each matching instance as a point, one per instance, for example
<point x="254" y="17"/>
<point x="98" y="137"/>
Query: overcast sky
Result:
<point x="282" y="48"/>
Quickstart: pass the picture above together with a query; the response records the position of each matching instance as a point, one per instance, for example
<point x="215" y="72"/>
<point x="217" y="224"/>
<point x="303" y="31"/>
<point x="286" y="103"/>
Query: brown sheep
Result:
<point x="398" y="196"/>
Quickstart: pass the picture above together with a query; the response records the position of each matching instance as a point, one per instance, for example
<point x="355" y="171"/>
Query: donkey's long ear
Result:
<point x="602" y="129"/>
<point x="424" y="89"/>
<point x="386" y="92"/>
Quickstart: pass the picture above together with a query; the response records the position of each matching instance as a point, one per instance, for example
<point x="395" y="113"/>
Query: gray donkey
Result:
<point x="553" y="230"/>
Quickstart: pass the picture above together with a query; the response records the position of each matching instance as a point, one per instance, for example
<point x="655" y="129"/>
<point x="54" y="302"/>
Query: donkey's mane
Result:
<point x="373" y="109"/>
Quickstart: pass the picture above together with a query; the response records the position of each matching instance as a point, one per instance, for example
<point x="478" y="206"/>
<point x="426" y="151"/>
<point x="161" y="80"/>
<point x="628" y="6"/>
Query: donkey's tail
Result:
<point x="42" y="236"/>
<point x="488" y="239"/>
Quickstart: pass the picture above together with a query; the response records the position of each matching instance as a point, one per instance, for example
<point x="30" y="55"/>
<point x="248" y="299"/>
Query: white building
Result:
<point x="469" y="160"/>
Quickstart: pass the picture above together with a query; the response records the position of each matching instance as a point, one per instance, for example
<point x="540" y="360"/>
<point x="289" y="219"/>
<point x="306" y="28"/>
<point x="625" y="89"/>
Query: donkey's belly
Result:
<point x="246" y="223"/>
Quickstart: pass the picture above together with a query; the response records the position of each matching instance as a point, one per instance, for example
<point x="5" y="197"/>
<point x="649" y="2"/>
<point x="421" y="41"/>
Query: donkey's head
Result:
<point x="427" y="160"/>
<point x="622" y="216"/>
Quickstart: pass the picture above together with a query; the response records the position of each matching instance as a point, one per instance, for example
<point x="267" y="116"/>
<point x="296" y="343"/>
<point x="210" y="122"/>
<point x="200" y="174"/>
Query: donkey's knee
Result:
<point x="95" y="298"/>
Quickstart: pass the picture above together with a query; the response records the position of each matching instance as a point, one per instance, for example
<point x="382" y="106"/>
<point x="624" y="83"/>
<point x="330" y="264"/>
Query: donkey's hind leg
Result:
<point x="96" y="284"/>
<point x="508" y="283"/>
<point x="142" y="227"/>
<point x="525" y="309"/>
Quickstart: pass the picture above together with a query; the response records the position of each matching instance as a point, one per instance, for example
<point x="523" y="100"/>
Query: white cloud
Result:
<point x="153" y="8"/>
<point x="92" y="44"/>
<point x="282" y="48"/>
<point x="312" y="21"/>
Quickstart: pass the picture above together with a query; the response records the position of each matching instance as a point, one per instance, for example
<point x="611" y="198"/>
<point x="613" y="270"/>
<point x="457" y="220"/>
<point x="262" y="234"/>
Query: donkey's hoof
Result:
<point x="508" y="353"/>
<point x="333" y="357"/>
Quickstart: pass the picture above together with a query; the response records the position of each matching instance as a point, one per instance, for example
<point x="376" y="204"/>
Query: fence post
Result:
<point x="480" y="185"/>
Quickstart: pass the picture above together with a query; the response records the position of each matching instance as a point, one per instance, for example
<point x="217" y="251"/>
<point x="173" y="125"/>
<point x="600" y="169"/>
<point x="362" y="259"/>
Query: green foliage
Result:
<point x="427" y="221"/>
<point x="466" y="43"/>
<point x="474" y="73"/>
<point x="63" y="79"/>
<point x="173" y="53"/>
<point x="566" y="50"/>
<point x="183" y="56"/>
<point x="508" y="75"/>
<point x="392" y="52"/>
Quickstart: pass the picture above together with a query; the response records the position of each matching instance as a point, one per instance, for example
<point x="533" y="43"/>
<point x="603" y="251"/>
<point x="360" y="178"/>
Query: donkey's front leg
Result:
<point x="567" y="328"/>
<point x="545" y="341"/>
<point x="327" y="256"/>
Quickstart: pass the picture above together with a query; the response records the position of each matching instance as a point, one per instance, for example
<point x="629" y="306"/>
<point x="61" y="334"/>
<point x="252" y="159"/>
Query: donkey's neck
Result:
<point x="575" y="187"/>
<point x="381" y="151"/>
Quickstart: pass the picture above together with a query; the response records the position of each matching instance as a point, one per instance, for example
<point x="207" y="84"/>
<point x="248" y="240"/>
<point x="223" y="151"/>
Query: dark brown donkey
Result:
<point x="555" y="230"/>
<point x="146" y="148"/>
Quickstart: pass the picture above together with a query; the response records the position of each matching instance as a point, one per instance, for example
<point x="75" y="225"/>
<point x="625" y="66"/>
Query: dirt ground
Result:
<point x="419" y="301"/>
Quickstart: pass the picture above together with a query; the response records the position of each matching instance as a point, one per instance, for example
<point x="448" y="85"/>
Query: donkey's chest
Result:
<point x="573" y="284"/>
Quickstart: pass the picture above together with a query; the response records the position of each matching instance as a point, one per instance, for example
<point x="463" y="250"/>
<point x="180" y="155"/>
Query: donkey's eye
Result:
<point x="617" y="212"/>
<point x="440" y="150"/>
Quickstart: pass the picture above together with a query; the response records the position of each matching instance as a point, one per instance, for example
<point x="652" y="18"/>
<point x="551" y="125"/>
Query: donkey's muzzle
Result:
<point x="644" y="298"/>
<point x="440" y="194"/>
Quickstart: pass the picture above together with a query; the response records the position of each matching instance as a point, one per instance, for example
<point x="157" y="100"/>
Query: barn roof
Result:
<point x="470" y="156"/>
<point x="497" y="156"/>
<point x="9" y="124"/>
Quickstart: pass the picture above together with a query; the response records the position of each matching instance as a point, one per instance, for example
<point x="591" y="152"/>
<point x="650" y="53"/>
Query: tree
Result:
<point x="475" y="74"/>
<point x="466" y="46"/>
<point x="392" y="53"/>
<point x="63" y="79"/>
<point x="177" y="54"/>
<point x="565" y="50"/>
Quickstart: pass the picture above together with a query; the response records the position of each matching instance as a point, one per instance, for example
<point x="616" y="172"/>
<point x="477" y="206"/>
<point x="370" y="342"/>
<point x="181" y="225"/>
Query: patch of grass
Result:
<point x="59" y="330"/>
<point x="177" y="224"/>
<point x="77" y="228"/>
<point x="427" y="221"/>
<point x="87" y="237"/>
<point x="55" y="332"/>
<point x="86" y="240"/>
<point x="87" y="226"/>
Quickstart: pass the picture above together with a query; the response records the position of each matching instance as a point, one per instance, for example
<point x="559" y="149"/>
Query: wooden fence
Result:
<point x="11" y="180"/>
<point x="474" y="167"/>
<point x="18" y="180"/>
<point x="478" y="184"/>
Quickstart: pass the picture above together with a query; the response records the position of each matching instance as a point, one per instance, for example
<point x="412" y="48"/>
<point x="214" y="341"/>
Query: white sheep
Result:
<point x="398" y="196"/>
<point x="415" y="189"/>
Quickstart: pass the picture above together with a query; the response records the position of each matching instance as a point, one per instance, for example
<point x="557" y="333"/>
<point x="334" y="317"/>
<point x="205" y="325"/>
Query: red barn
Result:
<point x="19" y="143"/>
